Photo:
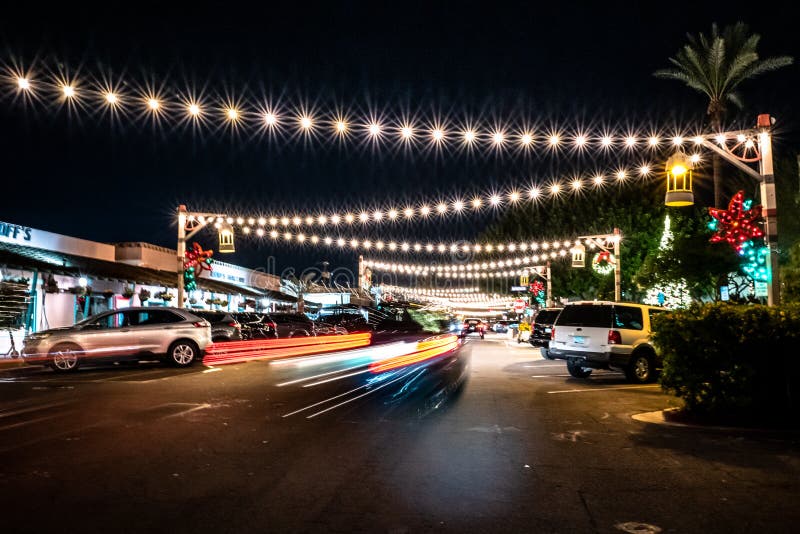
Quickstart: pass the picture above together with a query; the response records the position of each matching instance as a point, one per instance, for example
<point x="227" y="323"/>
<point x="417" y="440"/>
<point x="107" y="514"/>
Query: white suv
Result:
<point x="606" y="335"/>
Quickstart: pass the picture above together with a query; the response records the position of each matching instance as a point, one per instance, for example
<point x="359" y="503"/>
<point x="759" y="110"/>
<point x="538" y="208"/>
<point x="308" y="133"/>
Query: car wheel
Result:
<point x="65" y="357"/>
<point x="640" y="370"/>
<point x="182" y="353"/>
<point x="577" y="370"/>
<point x="546" y="354"/>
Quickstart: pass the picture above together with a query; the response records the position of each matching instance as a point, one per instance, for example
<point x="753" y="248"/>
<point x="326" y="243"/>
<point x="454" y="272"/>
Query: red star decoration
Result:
<point x="736" y="225"/>
<point x="198" y="258"/>
<point x="536" y="288"/>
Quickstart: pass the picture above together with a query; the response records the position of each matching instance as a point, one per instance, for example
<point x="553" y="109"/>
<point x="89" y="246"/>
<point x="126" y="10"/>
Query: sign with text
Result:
<point x="761" y="289"/>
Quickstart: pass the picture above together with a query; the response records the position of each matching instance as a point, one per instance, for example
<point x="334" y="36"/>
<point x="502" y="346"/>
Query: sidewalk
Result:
<point x="6" y="361"/>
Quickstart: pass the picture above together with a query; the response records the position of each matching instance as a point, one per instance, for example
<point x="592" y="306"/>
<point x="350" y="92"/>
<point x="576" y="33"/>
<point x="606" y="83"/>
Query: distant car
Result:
<point x="606" y="335"/>
<point x="472" y="326"/>
<point x="541" y="328"/>
<point x="322" y="328"/>
<point x="224" y="325"/>
<point x="501" y="327"/>
<point x="171" y="334"/>
<point x="292" y="324"/>
<point x="256" y="325"/>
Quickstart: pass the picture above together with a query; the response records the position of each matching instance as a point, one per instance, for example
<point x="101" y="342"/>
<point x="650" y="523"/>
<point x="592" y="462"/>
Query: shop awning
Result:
<point x="27" y="258"/>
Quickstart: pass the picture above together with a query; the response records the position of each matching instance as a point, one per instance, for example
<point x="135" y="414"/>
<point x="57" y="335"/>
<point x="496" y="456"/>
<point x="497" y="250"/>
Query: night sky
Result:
<point x="542" y="63"/>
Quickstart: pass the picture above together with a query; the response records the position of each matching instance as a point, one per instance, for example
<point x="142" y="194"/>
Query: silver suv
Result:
<point x="606" y="335"/>
<point x="171" y="334"/>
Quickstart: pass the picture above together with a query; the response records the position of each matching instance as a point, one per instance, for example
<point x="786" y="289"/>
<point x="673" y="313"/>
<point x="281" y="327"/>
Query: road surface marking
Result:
<point x="32" y="409"/>
<point x="212" y="370"/>
<point x="30" y="421"/>
<point x="548" y="376"/>
<point x="603" y="389"/>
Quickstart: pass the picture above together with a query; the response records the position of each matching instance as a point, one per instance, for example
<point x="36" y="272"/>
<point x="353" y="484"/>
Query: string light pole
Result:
<point x="755" y="145"/>
<point x="602" y="242"/>
<point x="188" y="225"/>
<point x="543" y="271"/>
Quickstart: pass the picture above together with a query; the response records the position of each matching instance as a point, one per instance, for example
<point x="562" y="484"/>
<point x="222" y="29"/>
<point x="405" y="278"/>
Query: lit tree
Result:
<point x="715" y="65"/>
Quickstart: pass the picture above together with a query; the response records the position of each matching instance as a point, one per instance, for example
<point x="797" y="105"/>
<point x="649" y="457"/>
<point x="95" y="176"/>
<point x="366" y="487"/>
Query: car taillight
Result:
<point x="614" y="337"/>
<point x="274" y="326"/>
<point x="234" y="325"/>
<point x="553" y="334"/>
<point x="200" y="324"/>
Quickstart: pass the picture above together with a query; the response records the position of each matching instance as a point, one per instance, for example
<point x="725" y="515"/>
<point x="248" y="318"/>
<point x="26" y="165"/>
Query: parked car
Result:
<point x="606" y="335"/>
<point x="256" y="325"/>
<point x="472" y="326"/>
<point x="541" y="329"/>
<point x="292" y="324"/>
<point x="176" y="336"/>
<point x="323" y="328"/>
<point x="224" y="325"/>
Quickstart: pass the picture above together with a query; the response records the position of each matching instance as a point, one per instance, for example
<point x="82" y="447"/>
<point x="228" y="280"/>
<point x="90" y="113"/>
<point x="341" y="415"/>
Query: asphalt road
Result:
<point x="264" y="447"/>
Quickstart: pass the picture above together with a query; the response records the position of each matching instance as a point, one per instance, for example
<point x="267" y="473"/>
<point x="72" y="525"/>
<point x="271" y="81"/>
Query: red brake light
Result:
<point x="553" y="333"/>
<point x="234" y="324"/>
<point x="200" y="324"/>
<point x="614" y="337"/>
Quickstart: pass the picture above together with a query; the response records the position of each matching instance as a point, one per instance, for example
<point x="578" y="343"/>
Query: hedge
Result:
<point x="730" y="359"/>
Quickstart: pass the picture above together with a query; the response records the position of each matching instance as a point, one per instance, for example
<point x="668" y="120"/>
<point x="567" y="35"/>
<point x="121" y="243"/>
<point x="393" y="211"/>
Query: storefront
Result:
<point x="70" y="278"/>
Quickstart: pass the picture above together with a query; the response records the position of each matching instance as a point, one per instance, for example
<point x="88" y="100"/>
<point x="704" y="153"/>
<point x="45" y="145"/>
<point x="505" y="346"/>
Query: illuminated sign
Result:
<point x="15" y="231"/>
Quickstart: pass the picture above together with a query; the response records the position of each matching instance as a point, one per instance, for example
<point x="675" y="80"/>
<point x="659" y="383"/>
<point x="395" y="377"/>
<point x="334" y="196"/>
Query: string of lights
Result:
<point x="366" y="244"/>
<point x="441" y="292"/>
<point x="454" y="207"/>
<point x="553" y="248"/>
<point x="184" y="106"/>
<point x="445" y="297"/>
<point x="471" y="275"/>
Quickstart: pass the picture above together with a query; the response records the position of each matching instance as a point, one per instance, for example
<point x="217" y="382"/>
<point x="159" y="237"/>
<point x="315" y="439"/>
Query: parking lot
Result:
<point x="522" y="446"/>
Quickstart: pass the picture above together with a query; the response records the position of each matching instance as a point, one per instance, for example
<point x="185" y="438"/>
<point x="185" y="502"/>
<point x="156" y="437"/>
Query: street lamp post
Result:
<point x="765" y="177"/>
<point x="602" y="242"/>
<point x="548" y="277"/>
<point x="188" y="225"/>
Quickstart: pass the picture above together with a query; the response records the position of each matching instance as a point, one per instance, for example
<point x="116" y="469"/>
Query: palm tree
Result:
<point x="715" y="65"/>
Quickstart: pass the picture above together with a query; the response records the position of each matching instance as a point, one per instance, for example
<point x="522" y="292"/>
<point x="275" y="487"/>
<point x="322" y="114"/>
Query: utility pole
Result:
<point x="188" y="225"/>
<point x="769" y="208"/>
<point x="181" y="252"/>
<point x="617" y="267"/>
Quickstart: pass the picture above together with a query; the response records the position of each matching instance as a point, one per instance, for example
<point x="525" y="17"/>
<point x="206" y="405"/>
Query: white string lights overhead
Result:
<point x="552" y="248"/>
<point x="546" y="250"/>
<point x="129" y="99"/>
<point x="454" y="207"/>
<point x="448" y="297"/>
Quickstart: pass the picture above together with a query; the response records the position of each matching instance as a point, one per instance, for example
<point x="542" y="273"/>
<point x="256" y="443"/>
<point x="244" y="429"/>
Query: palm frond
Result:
<point x="767" y="65"/>
<point x="735" y="99"/>
<point x="716" y="63"/>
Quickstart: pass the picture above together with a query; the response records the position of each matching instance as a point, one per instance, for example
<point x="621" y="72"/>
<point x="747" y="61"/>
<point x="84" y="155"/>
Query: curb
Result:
<point x="7" y="364"/>
<point x="657" y="418"/>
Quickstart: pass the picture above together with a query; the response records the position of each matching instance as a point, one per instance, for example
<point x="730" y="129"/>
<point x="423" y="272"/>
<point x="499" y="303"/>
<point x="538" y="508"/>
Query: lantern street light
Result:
<point x="679" y="188"/>
<point x="679" y="180"/>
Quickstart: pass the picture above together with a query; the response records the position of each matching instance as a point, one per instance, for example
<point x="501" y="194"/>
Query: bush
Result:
<point x="727" y="359"/>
